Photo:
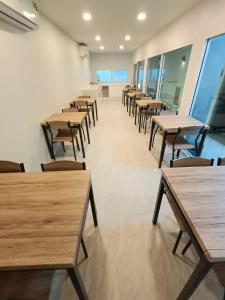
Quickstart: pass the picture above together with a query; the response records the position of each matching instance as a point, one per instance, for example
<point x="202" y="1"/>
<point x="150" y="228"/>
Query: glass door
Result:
<point x="209" y="100"/>
<point x="152" y="77"/>
<point x="140" y="75"/>
<point x="174" y="69"/>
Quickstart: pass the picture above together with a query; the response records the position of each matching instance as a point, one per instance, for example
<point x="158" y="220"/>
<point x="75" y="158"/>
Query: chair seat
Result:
<point x="181" y="143"/>
<point x="65" y="135"/>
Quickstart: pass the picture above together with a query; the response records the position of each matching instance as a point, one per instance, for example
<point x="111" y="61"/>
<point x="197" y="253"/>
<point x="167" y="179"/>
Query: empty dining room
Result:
<point x="112" y="157"/>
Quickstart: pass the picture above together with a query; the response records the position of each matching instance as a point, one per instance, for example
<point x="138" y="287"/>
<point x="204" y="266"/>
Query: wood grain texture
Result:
<point x="200" y="193"/>
<point x="72" y="117"/>
<point x="89" y="100"/>
<point x="151" y="103"/>
<point x="173" y="122"/>
<point x="40" y="218"/>
<point x="63" y="165"/>
<point x="10" y="167"/>
<point x="191" y="162"/>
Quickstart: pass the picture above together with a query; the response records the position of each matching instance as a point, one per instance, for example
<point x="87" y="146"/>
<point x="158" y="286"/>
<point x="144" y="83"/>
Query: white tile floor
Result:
<point x="129" y="258"/>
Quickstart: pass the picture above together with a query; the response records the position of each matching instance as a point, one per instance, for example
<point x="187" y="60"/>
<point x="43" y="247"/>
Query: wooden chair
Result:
<point x="84" y="97"/>
<point x="73" y="109"/>
<point x="66" y="165"/>
<point x="151" y="110"/>
<point x="180" y="163"/>
<point x="11" y="167"/>
<point x="65" y="133"/>
<point x="138" y="96"/>
<point x="221" y="161"/>
<point x="82" y="106"/>
<point x="179" y="142"/>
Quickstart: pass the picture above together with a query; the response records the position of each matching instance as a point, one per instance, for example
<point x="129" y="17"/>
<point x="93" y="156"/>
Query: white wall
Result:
<point x="110" y="61"/>
<point x="195" y="27"/>
<point x="40" y="73"/>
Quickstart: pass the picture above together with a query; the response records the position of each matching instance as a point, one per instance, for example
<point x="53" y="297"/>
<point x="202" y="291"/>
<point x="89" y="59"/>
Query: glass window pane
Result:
<point x="153" y="75"/>
<point x="103" y="75"/>
<point x="209" y="100"/>
<point x="119" y="75"/>
<point x="135" y="75"/>
<point x="174" y="70"/>
<point x="140" y="75"/>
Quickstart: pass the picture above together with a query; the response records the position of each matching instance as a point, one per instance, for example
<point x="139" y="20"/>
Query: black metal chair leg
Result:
<point x="178" y="153"/>
<point x="78" y="146"/>
<point x="153" y="139"/>
<point x="63" y="147"/>
<point x="224" y="295"/>
<point x="82" y="128"/>
<point x="186" y="247"/>
<point x="84" y="247"/>
<point x="74" y="151"/>
<point x="177" y="241"/>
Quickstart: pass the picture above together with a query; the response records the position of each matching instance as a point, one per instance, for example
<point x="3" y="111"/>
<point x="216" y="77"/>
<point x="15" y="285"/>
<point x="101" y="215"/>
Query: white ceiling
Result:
<point x="113" y="19"/>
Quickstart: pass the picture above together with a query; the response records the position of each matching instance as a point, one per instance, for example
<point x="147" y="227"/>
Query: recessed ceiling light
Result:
<point x="141" y="16"/>
<point x="87" y="16"/>
<point x="102" y="47"/>
<point x="97" y="38"/>
<point x="127" y="37"/>
<point x="121" y="47"/>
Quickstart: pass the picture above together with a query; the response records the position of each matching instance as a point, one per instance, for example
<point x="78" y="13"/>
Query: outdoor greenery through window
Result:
<point x="153" y="69"/>
<point x="119" y="75"/>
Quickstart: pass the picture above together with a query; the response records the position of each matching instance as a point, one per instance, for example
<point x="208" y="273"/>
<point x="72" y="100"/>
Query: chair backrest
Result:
<point x="192" y="130"/>
<point x="155" y="105"/>
<point x="140" y="96"/>
<point x="80" y="103"/>
<point x="168" y="112"/>
<point x="221" y="161"/>
<point x="58" y="124"/>
<point x="70" y="109"/>
<point x="63" y="165"/>
<point x="11" y="167"/>
<point x="80" y="97"/>
<point x="191" y="162"/>
<point x="131" y="90"/>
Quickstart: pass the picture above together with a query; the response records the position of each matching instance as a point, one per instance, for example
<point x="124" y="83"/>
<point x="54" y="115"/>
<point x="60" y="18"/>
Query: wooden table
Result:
<point x="198" y="195"/>
<point x="75" y="118"/>
<point x="143" y="104"/>
<point x="169" y="125"/>
<point x="42" y="221"/>
<point x="92" y="103"/>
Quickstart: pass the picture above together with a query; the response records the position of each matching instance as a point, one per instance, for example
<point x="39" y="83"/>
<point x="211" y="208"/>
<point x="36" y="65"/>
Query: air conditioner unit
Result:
<point x="19" y="13"/>
<point x="83" y="50"/>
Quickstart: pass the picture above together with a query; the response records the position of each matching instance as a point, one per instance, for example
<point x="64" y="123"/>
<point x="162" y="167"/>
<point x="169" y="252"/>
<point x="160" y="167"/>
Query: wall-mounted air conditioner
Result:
<point x="19" y="13"/>
<point x="83" y="51"/>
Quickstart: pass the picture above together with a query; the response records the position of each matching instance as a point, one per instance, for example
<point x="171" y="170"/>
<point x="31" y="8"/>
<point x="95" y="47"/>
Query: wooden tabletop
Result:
<point x="73" y="117"/>
<point x="145" y="102"/>
<point x="90" y="100"/>
<point x="200" y="193"/>
<point x="41" y="216"/>
<point x="173" y="122"/>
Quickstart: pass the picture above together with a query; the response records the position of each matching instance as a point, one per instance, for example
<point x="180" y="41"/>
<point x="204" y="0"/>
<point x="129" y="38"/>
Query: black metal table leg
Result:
<point x="158" y="202"/>
<point x="127" y="102"/>
<point x="93" y="113"/>
<point x="77" y="283"/>
<point x="96" y="110"/>
<point x="140" y="113"/>
<point x="151" y="136"/>
<point x="201" y="144"/>
<point x="86" y="124"/>
<point x="93" y="208"/>
<point x="135" y="119"/>
<point x="163" y="146"/>
<point x="81" y="140"/>
<point x="50" y="149"/>
<point x="198" y="274"/>
<point x="130" y="105"/>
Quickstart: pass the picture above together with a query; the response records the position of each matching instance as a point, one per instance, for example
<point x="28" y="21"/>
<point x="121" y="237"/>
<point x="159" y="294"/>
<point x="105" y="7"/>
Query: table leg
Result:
<point x="50" y="149"/>
<point x="198" y="274"/>
<point x="86" y="124"/>
<point x="151" y="135"/>
<point x="81" y="140"/>
<point x="93" y="113"/>
<point x="163" y="146"/>
<point x="140" y="113"/>
<point x="201" y="144"/>
<point x="131" y="99"/>
<point x="93" y="208"/>
<point x="77" y="283"/>
<point x="135" y="118"/>
<point x="127" y="103"/>
<point x="158" y="202"/>
<point x="96" y="109"/>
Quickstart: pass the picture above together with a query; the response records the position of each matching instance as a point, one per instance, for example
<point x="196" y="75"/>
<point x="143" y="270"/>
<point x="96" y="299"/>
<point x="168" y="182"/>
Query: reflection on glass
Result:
<point x="140" y="75"/>
<point x="153" y="75"/>
<point x="175" y="64"/>
<point x="209" y="100"/>
<point x="135" y="75"/>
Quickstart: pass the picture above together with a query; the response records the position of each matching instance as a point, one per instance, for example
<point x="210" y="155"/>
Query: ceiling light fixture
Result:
<point x="87" y="16"/>
<point x="127" y="37"/>
<point x="121" y="47"/>
<point x="97" y="38"/>
<point x="101" y="47"/>
<point x="141" y="16"/>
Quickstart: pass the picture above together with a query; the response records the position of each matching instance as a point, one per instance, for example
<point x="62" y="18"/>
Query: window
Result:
<point x="119" y="75"/>
<point x="135" y="75"/>
<point x="174" y="68"/>
<point x="153" y="69"/>
<point x="140" y="75"/>
<point x="209" y="100"/>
